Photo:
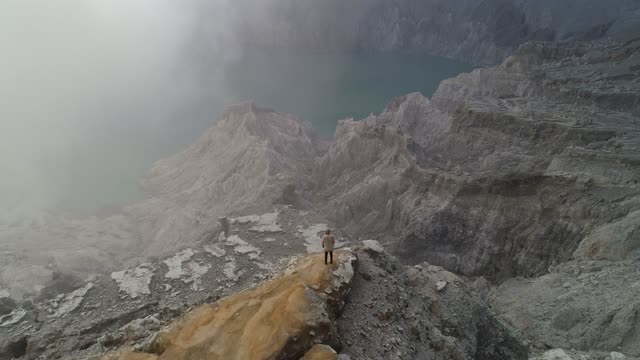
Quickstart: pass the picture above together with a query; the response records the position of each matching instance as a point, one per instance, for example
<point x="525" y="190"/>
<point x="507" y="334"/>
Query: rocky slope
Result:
<point x="480" y="32"/>
<point x="366" y="306"/>
<point x="278" y="320"/>
<point x="130" y="304"/>
<point x="578" y="305"/>
<point x="419" y="312"/>
<point x="528" y="169"/>
<point x="505" y="171"/>
<point x="251" y="159"/>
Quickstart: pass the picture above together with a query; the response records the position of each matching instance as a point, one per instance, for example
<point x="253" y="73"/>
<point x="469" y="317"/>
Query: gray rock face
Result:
<point x="129" y="306"/>
<point x="582" y="305"/>
<point x="618" y="240"/>
<point x="505" y="171"/>
<point x="392" y="311"/>
<point x="251" y="159"/>
<point x="34" y="252"/>
<point x="246" y="161"/>
<point x="480" y="32"/>
<point x="396" y="312"/>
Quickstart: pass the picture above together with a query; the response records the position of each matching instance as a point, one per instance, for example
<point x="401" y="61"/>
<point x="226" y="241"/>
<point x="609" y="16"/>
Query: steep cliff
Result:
<point x="523" y="169"/>
<point x="366" y="305"/>
<point x="278" y="320"/>
<point x="251" y="158"/>
<point x="526" y="169"/>
<point x="505" y="171"/>
<point x="131" y="304"/>
<point x="480" y="32"/>
<point x="182" y="207"/>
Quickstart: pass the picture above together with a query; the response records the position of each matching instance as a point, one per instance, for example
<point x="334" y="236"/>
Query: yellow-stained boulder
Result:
<point x="280" y="319"/>
<point x="321" y="352"/>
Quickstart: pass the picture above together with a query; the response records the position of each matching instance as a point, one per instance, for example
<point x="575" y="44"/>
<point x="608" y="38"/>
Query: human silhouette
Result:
<point x="328" y="242"/>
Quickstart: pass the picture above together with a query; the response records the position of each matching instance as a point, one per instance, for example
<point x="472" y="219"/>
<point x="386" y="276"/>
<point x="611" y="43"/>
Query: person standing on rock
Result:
<point x="328" y="241"/>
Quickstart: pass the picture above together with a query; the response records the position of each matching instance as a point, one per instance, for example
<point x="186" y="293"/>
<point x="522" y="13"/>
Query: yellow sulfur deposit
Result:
<point x="282" y="318"/>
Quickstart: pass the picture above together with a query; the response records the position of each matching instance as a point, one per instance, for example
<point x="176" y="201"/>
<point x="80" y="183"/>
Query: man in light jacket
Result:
<point x="328" y="242"/>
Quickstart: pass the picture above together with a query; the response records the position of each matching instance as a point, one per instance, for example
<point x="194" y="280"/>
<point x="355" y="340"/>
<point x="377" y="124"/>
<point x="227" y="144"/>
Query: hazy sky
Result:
<point x="70" y="68"/>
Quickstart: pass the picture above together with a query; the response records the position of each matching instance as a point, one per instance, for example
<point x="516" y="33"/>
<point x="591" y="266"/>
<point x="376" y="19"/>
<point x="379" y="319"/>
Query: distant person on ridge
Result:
<point x="328" y="241"/>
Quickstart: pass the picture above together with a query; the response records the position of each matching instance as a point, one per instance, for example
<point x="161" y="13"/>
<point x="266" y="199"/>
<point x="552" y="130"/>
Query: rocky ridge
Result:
<point x="450" y="180"/>
<point x="249" y="160"/>
<point x="524" y="169"/>
<point x="279" y="319"/>
<point x="366" y="305"/>
<point x="419" y="312"/>
<point x="528" y="169"/>
<point x="131" y="304"/>
<point x="479" y="32"/>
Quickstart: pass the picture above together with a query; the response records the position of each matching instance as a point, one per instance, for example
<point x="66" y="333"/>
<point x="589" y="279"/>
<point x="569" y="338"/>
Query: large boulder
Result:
<point x="280" y="319"/>
<point x="550" y="136"/>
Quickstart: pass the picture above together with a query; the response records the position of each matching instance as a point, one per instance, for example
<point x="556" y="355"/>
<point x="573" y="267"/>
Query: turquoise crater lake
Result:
<point x="319" y="87"/>
<point x="324" y="87"/>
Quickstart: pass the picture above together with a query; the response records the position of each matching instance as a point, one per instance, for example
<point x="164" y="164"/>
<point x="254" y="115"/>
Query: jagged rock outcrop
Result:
<point x="397" y="312"/>
<point x="375" y="310"/>
<point x="252" y="158"/>
<point x="506" y="171"/>
<point x="280" y="319"/>
<point x="249" y="159"/>
<point x="130" y="305"/>
<point x="480" y="32"/>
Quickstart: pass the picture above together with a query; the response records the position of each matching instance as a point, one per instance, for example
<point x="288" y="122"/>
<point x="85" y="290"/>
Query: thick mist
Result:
<point x="93" y="92"/>
<point x="77" y="74"/>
